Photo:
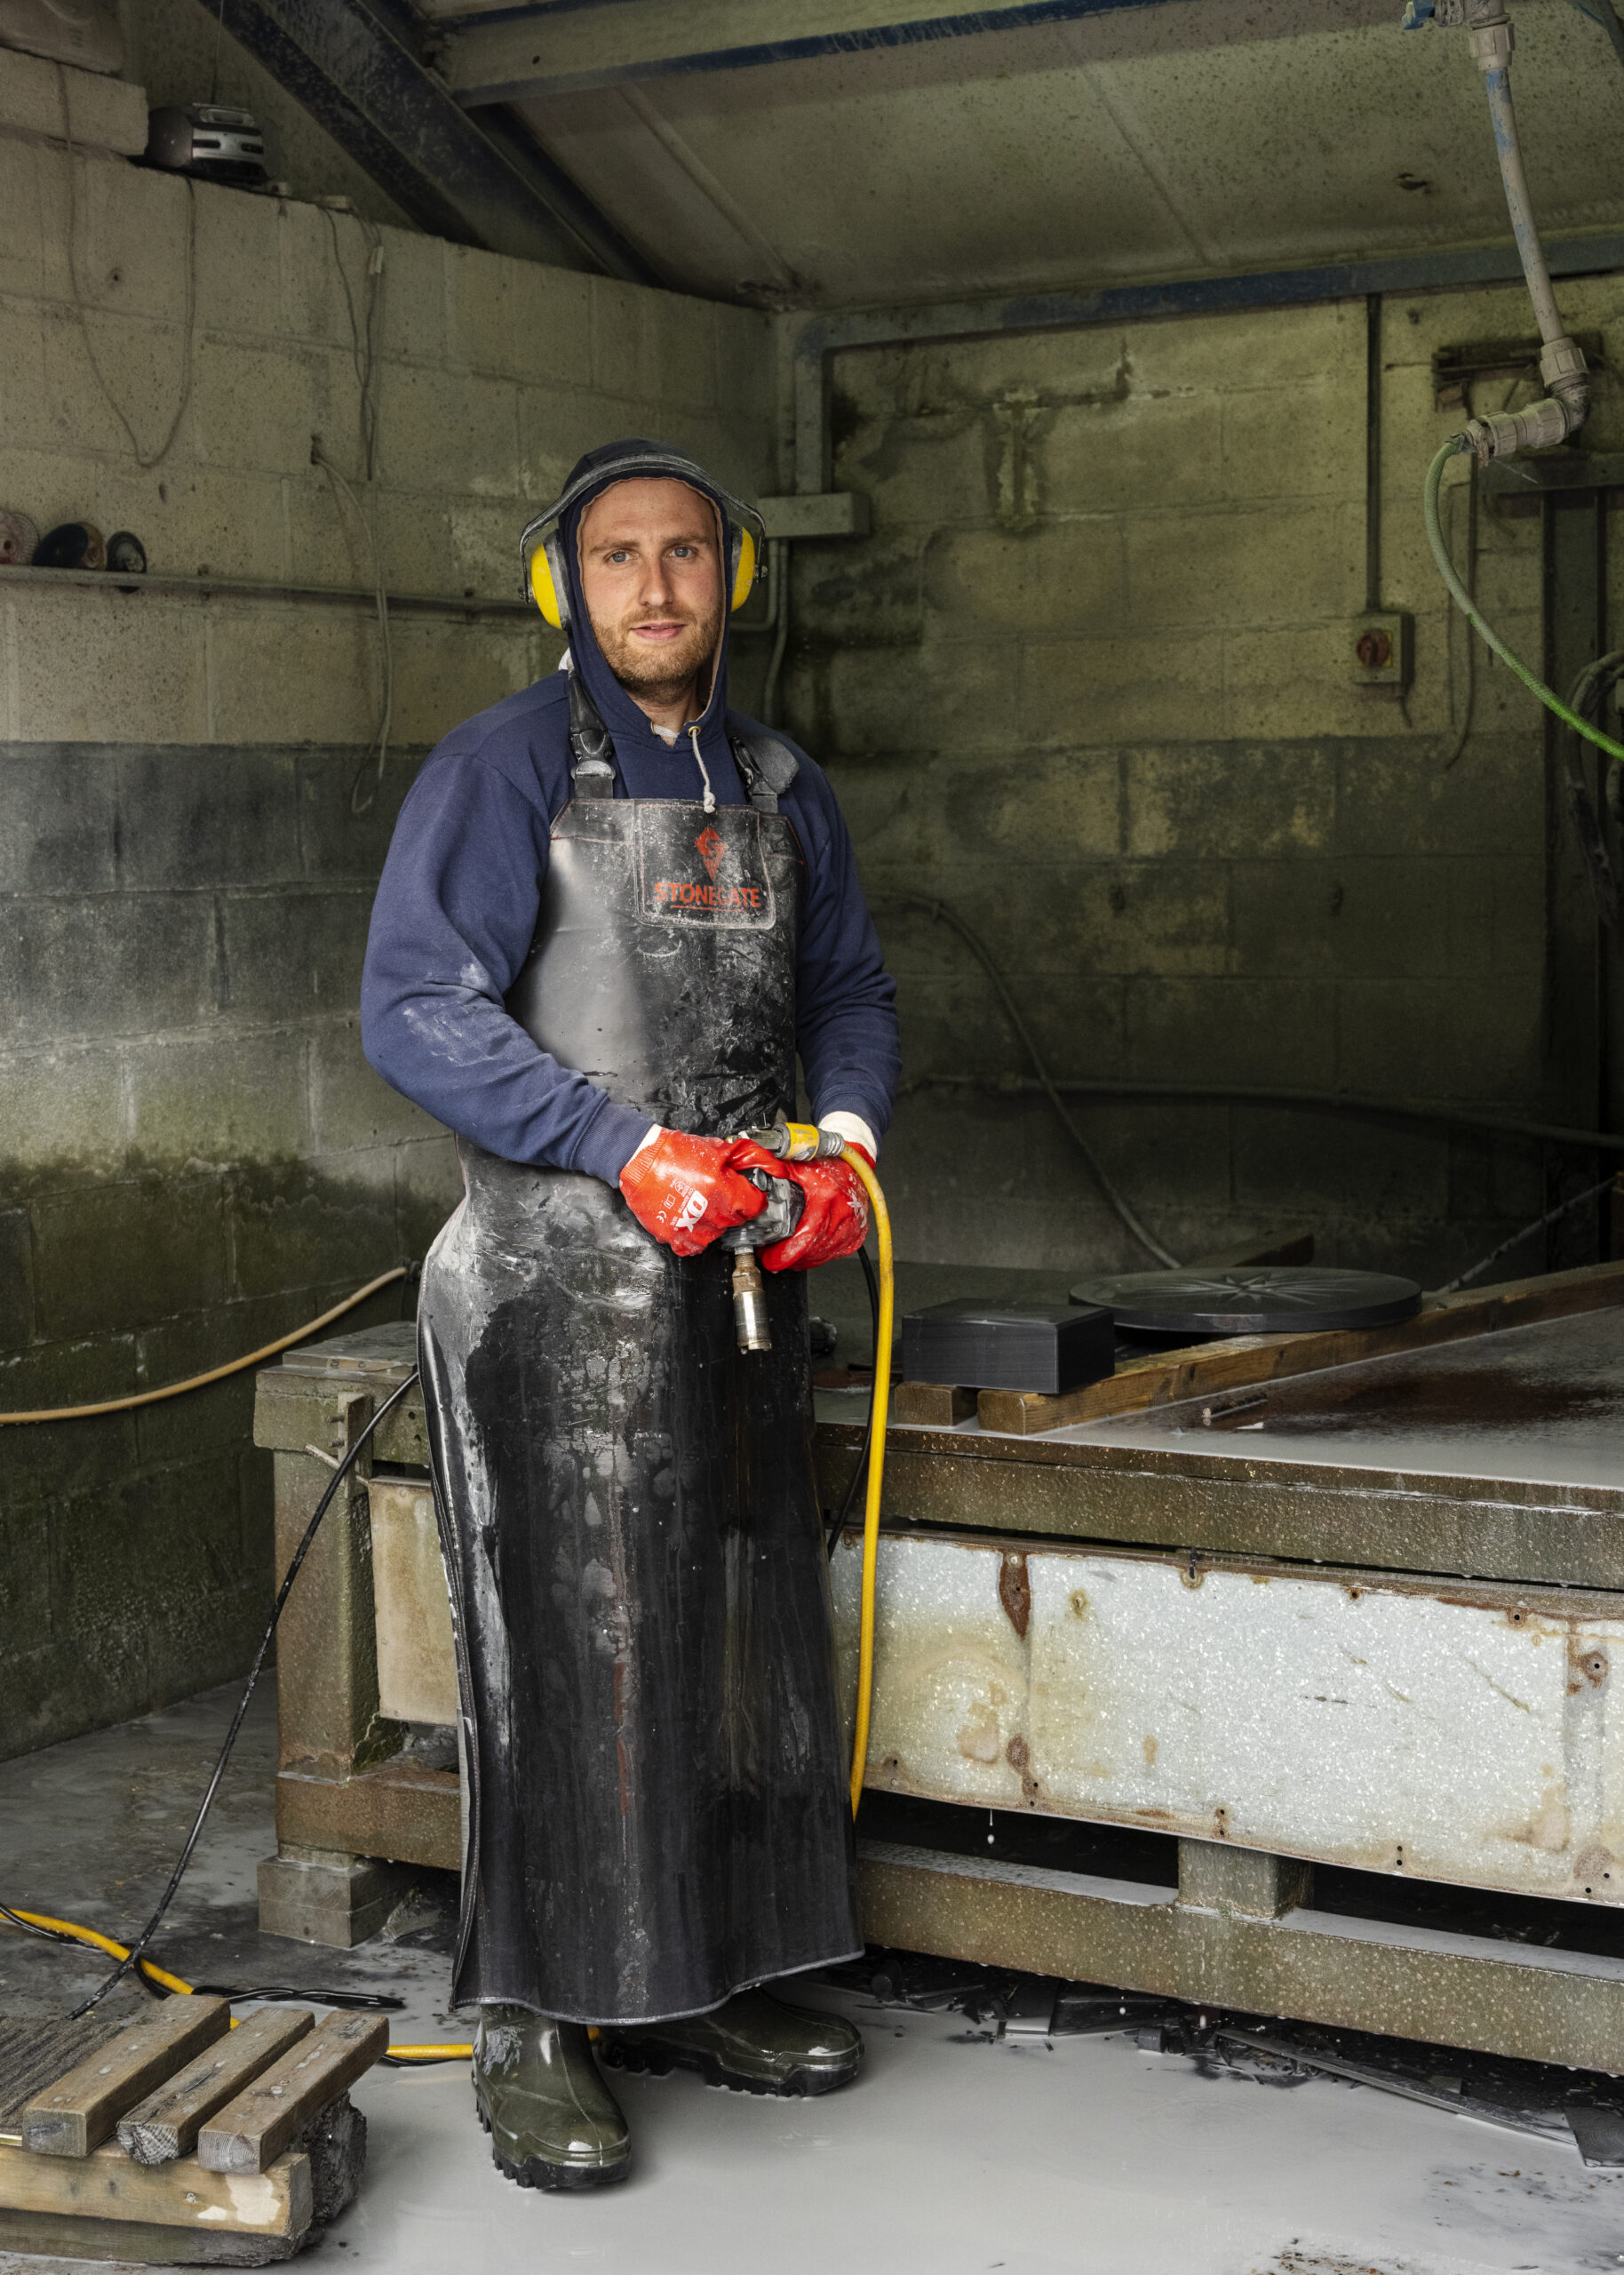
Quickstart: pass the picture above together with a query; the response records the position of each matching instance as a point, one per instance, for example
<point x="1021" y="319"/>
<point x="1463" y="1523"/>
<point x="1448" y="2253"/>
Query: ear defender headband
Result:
<point x="541" y="547"/>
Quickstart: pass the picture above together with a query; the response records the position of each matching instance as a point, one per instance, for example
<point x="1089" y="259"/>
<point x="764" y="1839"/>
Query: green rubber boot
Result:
<point x="753" y="2044"/>
<point x="553" y="2121"/>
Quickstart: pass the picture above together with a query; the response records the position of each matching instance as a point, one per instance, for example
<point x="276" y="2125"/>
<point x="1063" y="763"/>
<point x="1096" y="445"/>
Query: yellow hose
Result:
<point x="102" y="1944"/>
<point x="876" y="1466"/>
<point x="79" y="1935"/>
<point x="215" y="1374"/>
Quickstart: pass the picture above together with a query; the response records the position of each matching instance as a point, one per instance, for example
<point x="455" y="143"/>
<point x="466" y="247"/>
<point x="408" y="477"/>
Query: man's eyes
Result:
<point x="618" y="559"/>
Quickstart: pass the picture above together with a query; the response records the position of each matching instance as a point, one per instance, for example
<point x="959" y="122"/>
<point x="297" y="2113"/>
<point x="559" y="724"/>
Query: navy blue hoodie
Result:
<point x="456" y="906"/>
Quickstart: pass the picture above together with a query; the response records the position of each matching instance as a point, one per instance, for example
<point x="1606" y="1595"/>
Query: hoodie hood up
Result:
<point x="629" y="725"/>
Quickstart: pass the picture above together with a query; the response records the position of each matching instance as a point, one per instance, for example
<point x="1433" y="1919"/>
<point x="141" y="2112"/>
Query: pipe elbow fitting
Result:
<point x="1540" y="428"/>
<point x="1567" y="376"/>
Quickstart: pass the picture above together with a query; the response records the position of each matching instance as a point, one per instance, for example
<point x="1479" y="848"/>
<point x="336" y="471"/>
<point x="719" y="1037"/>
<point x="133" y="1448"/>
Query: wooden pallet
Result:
<point x="177" y="2141"/>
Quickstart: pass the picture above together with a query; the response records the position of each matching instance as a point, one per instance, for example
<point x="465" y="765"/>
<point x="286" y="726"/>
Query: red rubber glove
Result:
<point x="686" y="1190"/>
<point x="835" y="1221"/>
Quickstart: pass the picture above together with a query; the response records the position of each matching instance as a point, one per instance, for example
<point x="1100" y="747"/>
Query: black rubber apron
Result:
<point x="654" y="1796"/>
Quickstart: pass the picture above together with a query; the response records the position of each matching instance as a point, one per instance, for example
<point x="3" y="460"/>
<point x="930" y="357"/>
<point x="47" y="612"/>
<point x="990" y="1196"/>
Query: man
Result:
<point x="612" y="915"/>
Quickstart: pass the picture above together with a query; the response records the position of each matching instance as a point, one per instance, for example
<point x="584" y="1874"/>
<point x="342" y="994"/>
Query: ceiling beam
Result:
<point x="563" y="49"/>
<point x="350" y="68"/>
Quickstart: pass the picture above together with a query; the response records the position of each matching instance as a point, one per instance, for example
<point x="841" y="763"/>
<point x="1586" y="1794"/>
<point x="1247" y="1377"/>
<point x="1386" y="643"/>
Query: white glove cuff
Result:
<point x="854" y="1129"/>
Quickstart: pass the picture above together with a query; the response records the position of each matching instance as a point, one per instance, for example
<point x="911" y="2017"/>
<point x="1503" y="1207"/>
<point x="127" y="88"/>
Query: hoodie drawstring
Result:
<point x="709" y="795"/>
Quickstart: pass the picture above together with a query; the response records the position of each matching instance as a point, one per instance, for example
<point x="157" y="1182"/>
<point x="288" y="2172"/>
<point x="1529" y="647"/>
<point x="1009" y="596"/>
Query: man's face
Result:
<point x="651" y="576"/>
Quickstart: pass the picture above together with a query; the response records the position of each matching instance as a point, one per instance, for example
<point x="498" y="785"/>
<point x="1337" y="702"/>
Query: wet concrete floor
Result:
<point x="954" y="2152"/>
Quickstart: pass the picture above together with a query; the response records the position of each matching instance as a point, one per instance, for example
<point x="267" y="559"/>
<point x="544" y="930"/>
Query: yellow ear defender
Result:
<point x="543" y="557"/>
<point x="543" y="588"/>
<point x="744" y="572"/>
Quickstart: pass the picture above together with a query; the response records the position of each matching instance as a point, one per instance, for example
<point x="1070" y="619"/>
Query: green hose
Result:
<point x="1469" y="608"/>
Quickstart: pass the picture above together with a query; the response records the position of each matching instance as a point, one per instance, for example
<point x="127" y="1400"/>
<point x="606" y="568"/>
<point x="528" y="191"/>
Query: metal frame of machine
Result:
<point x="1274" y="1665"/>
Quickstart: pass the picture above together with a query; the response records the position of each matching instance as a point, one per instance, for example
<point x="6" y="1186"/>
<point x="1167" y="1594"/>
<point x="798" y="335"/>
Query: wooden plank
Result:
<point x="35" y="2054"/>
<point x="1239" y="1360"/>
<point x="937" y="1405"/>
<point x="80" y="2111"/>
<point x="167" y="2123"/>
<point x="108" y="2185"/>
<point x="249" y="2133"/>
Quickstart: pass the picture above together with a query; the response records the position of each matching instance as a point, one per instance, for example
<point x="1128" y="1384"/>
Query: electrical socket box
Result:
<point x="1382" y="650"/>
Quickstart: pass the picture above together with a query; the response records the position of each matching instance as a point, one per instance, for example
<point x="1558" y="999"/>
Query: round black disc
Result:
<point x="1256" y="1299"/>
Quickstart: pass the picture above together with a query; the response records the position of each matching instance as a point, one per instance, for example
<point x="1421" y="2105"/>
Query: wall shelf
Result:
<point x="207" y="589"/>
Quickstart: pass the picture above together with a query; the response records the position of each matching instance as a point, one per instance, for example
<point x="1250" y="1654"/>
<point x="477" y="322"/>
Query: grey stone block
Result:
<point x="58" y="817"/>
<point x="31" y="1687"/>
<point x="1491" y="802"/>
<point x="1229" y="800"/>
<point x="65" y="1457"/>
<point x="304" y="1225"/>
<point x="16" y="1279"/>
<point x="1374" y="1170"/>
<point x="1232" y="1030"/>
<point x="1161" y="1155"/>
<point x="124" y="1255"/>
<point x="186" y="1537"/>
<point x="1367" y="918"/>
<point x="427" y="1187"/>
<point x="114" y="964"/>
<point x="62" y="1116"/>
<point x="25" y="1579"/>
<point x="1478" y="1039"/>
<point x="335" y="843"/>
<point x="282" y="955"/>
<point x="219" y="1419"/>
<point x="102" y="113"/>
<point x="102" y="1611"/>
<point x="1214" y="1876"/>
<point x="198" y="1097"/>
<point x="351" y="1107"/>
<point x="336" y="1900"/>
<point x="198" y="818"/>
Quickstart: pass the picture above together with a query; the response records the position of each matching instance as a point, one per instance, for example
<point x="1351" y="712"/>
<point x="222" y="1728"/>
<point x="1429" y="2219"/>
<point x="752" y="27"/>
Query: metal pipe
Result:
<point x="1562" y="364"/>
<point x="1491" y="46"/>
<point x="1372" y="452"/>
<point x="778" y="611"/>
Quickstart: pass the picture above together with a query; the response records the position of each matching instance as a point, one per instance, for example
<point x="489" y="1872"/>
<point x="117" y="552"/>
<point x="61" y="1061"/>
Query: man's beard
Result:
<point x="661" y="674"/>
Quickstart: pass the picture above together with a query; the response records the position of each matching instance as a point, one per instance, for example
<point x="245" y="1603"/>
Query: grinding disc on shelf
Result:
<point x="17" y="539"/>
<point x="1260" y="1299"/>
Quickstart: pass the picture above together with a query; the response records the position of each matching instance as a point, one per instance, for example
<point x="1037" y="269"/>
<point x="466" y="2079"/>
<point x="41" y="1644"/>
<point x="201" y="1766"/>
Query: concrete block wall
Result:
<point x="194" y="1155"/>
<point x="1088" y="680"/>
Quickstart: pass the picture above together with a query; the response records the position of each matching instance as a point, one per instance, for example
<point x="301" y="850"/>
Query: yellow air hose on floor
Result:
<point x="876" y="1467"/>
<point x="70" y="1931"/>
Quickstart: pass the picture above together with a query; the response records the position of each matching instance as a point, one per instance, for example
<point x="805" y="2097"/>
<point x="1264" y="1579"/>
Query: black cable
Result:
<point x="368" y="2002"/>
<point x="943" y="912"/>
<point x="1446" y="1117"/>
<point x="409" y="1286"/>
<point x="132" y="1957"/>
<point x="839" y="1526"/>
<point x="365" y="2001"/>
<point x="1563" y="1209"/>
